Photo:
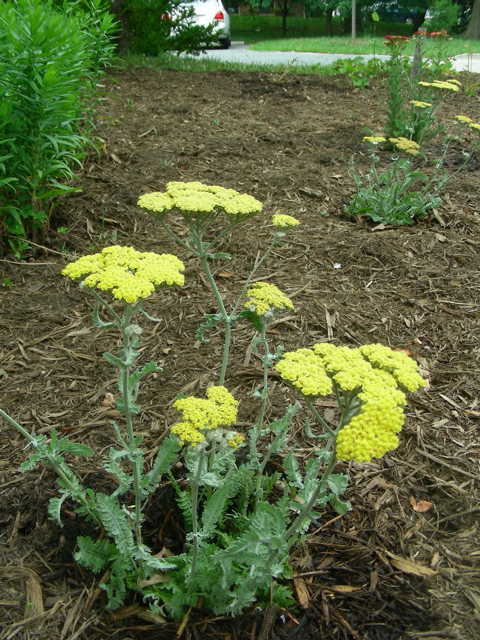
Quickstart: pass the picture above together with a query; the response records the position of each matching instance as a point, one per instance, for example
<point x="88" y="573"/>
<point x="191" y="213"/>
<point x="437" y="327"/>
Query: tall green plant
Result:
<point x="46" y="63"/>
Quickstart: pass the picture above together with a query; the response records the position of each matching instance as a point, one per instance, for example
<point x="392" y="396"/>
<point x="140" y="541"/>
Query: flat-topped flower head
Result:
<point x="128" y="274"/>
<point x="474" y="125"/>
<point x="374" y="139"/>
<point x="198" y="199"/>
<point x="282" y="220"/>
<point x="441" y="84"/>
<point x="404" y="144"/>
<point x="201" y="415"/>
<point x="378" y="378"/>
<point x="420" y="104"/>
<point x="466" y="119"/>
<point x="264" y="297"/>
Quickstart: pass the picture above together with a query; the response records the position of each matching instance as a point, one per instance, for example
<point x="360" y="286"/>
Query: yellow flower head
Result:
<point x="374" y="139"/>
<point x="196" y="198"/>
<point x="404" y="144"/>
<point x="235" y="440"/>
<point x="305" y="370"/>
<point x="200" y="415"/>
<point x="474" y="125"/>
<point x="264" y="297"/>
<point x="441" y="84"/>
<point x="282" y="220"/>
<point x="463" y="119"/>
<point x="454" y="81"/>
<point x="379" y="378"/>
<point x="129" y="274"/>
<point x="420" y="104"/>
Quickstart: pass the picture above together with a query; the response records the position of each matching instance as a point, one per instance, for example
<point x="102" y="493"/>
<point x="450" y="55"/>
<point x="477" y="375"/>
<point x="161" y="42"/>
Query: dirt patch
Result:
<point x="288" y="141"/>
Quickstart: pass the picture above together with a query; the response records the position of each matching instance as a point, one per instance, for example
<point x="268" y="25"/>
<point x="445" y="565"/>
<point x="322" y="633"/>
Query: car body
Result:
<point x="212" y="12"/>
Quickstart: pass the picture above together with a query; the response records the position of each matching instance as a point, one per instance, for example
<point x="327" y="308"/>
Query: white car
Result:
<point x="209" y="12"/>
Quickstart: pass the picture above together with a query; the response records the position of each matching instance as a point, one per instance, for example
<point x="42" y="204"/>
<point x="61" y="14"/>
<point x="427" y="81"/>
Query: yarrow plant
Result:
<point x="200" y="206"/>
<point x="398" y="194"/>
<point x="242" y="515"/>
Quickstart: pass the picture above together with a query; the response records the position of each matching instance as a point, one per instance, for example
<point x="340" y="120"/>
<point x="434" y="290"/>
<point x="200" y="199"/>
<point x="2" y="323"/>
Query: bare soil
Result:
<point x="385" y="571"/>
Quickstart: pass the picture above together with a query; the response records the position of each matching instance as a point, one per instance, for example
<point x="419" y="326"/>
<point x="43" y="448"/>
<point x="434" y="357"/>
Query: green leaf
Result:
<point x="149" y="367"/>
<point x="94" y="554"/>
<point x="166" y="456"/>
<point x="340" y="506"/>
<point x="55" y="508"/>
<point x="117" y="524"/>
<point x="214" y="508"/>
<point x="210" y="480"/>
<point x="255" y="320"/>
<point x="212" y="319"/>
<point x="337" y="483"/>
<point x="375" y="17"/>
<point x="113" y="360"/>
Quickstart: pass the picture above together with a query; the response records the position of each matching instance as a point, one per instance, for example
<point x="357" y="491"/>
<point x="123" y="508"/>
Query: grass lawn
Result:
<point x="365" y="45"/>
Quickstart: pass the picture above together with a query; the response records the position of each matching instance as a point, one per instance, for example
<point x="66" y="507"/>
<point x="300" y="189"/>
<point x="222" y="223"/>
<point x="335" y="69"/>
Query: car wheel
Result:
<point x="225" y="43"/>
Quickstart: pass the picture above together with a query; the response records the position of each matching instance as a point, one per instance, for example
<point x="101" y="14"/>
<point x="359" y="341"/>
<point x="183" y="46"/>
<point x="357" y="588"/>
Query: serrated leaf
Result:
<point x="55" y="508"/>
<point x="115" y="522"/>
<point x="210" y="480"/>
<point x="337" y="483"/>
<point x="166" y="456"/>
<point x="94" y="554"/>
<point x="113" y="360"/>
<point x="255" y="320"/>
<point x="341" y="507"/>
<point x="149" y="367"/>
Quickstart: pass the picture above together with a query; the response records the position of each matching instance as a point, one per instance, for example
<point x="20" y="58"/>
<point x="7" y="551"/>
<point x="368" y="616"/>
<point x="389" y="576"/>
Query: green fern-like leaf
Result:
<point x="215" y="506"/>
<point x="166" y="456"/>
<point x="116" y="523"/>
<point x="55" y="508"/>
<point x="94" y="554"/>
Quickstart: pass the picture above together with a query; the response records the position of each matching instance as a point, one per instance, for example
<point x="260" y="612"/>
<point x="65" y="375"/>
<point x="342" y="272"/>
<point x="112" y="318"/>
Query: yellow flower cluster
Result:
<point x="374" y="139"/>
<point x="264" y="297"/>
<point x="218" y="409"/>
<point x="464" y="119"/>
<point x="404" y="144"/>
<point x="235" y="440"/>
<point x="306" y="372"/>
<point x="197" y="198"/>
<point x="129" y="274"/>
<point x="451" y="85"/>
<point x="282" y="220"/>
<point x="420" y="104"/>
<point x="376" y="374"/>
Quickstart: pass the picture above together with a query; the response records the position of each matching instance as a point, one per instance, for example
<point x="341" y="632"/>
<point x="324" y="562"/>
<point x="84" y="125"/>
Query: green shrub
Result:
<point x="396" y="195"/>
<point x="45" y="69"/>
<point x="445" y="15"/>
<point x="162" y="26"/>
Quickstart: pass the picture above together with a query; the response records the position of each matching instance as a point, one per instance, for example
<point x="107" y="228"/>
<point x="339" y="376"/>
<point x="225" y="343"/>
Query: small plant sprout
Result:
<point x="200" y="206"/>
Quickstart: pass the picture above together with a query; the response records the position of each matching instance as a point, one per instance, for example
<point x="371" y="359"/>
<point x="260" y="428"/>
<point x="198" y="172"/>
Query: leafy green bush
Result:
<point x="397" y="195"/>
<point x="444" y="15"/>
<point x="163" y="26"/>
<point x="47" y="64"/>
<point x="359" y="71"/>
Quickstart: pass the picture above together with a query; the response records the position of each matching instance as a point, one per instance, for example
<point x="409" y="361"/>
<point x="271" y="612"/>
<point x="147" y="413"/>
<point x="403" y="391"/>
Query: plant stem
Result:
<point x="128" y="413"/>
<point x="304" y="511"/>
<point x="195" y="488"/>
<point x="227" y="319"/>
<point x="61" y="468"/>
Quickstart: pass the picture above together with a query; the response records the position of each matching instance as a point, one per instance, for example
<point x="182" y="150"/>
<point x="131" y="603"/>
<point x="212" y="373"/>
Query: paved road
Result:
<point x="238" y="52"/>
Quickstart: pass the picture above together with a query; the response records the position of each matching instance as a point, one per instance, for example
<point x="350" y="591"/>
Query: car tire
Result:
<point x="225" y="43"/>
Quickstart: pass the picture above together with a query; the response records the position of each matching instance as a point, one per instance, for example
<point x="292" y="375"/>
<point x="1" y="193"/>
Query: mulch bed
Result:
<point x="384" y="571"/>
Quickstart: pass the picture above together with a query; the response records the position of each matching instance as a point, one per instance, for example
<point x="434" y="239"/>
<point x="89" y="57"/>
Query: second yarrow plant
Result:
<point x="242" y="515"/>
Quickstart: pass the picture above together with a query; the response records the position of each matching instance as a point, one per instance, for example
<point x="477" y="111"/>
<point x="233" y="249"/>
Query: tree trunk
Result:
<point x="284" y="17"/>
<point x="329" y="22"/>
<point x="118" y="10"/>
<point x="473" y="28"/>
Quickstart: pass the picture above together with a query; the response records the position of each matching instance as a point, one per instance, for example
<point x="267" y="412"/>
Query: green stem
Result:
<point x="195" y="492"/>
<point x="320" y="419"/>
<point x="227" y="319"/>
<point x="166" y="227"/>
<point x="308" y="506"/>
<point x="128" y="413"/>
<point x="61" y="469"/>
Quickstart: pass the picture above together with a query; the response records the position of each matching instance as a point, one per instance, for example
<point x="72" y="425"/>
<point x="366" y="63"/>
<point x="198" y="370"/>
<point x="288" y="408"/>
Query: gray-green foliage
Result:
<point x="396" y="195"/>
<point x="48" y="62"/>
